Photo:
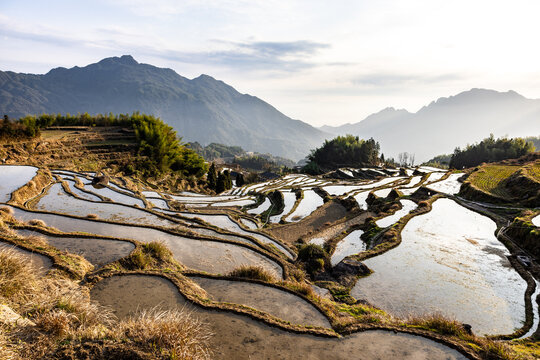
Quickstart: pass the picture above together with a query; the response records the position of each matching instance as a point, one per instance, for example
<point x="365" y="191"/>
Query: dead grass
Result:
<point x="65" y="318"/>
<point x="17" y="277"/>
<point x="172" y="334"/>
<point x="37" y="222"/>
<point x="252" y="272"/>
<point x="487" y="348"/>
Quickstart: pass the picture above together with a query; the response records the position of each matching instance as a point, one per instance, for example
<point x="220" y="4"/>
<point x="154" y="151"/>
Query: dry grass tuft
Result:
<point x="17" y="277"/>
<point x="438" y="323"/>
<point x="174" y="334"/>
<point x="7" y="210"/>
<point x="252" y="272"/>
<point x="37" y="222"/>
<point x="158" y="250"/>
<point x="301" y="288"/>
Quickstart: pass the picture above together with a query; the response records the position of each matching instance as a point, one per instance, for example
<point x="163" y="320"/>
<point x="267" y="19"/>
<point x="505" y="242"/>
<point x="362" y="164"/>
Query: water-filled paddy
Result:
<point x="13" y="177"/>
<point x="203" y="255"/>
<point x="449" y="261"/>
<point x="261" y="208"/>
<point x="224" y="222"/>
<point x="159" y="203"/>
<point x="349" y="245"/>
<point x="39" y="262"/>
<point x="98" y="252"/>
<point x="252" y="225"/>
<point x="276" y="302"/>
<point x="82" y="194"/>
<point x="57" y="200"/>
<point x="406" y="207"/>
<point x="289" y="199"/>
<point x="311" y="202"/>
<point x="114" y="195"/>
<point x="450" y="186"/>
<point x="239" y="337"/>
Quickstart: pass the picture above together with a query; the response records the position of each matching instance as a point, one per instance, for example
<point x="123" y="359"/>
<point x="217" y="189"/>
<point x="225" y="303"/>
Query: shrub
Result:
<point x="158" y="250"/>
<point x="173" y="333"/>
<point x="252" y="272"/>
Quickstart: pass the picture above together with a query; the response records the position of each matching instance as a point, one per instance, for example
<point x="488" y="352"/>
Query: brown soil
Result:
<point x="328" y="213"/>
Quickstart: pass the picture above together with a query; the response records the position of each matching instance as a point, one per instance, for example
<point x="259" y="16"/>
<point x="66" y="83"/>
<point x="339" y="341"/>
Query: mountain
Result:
<point x="202" y="109"/>
<point x="449" y="122"/>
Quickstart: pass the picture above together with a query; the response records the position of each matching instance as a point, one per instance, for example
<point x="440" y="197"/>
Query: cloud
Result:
<point x="281" y="56"/>
<point x="399" y="80"/>
<point x="248" y="56"/>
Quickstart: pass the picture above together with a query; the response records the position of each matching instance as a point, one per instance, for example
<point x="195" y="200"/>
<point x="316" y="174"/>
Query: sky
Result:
<point x="319" y="61"/>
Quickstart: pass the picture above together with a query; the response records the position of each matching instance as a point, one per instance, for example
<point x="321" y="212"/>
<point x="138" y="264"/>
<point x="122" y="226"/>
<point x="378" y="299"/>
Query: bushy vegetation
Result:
<point x="314" y="258"/>
<point x="490" y="150"/>
<point x="344" y="151"/>
<point x="237" y="155"/>
<point x="158" y="142"/>
<point x="439" y="161"/>
<point x="252" y="272"/>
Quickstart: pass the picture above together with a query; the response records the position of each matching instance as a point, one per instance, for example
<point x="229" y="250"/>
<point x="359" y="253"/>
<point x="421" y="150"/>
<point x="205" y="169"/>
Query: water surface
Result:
<point x="449" y="261"/>
<point x="12" y="177"/>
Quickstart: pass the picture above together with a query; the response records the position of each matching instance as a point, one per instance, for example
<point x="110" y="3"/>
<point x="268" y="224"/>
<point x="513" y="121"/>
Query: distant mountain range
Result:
<point x="207" y="110"/>
<point x="203" y="109"/>
<point x="449" y="122"/>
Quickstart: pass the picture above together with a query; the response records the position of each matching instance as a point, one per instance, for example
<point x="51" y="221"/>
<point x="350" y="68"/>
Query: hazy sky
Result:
<point x="320" y="61"/>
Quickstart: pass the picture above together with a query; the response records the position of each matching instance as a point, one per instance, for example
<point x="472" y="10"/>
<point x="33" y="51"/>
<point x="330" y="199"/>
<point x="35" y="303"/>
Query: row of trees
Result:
<point x="158" y="143"/>
<point x="490" y="150"/>
<point x="218" y="182"/>
<point x="344" y="151"/>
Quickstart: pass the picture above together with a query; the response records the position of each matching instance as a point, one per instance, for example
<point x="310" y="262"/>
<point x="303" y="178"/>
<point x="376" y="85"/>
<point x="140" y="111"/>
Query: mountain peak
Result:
<point x="123" y="60"/>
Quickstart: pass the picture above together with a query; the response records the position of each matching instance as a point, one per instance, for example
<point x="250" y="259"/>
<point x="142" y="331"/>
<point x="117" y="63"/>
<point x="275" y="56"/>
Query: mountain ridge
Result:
<point x="202" y="109"/>
<point x="448" y="122"/>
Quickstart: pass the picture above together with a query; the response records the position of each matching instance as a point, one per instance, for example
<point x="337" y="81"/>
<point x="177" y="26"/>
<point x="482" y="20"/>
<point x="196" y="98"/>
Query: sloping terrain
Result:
<point x="202" y="109"/>
<point x="456" y="120"/>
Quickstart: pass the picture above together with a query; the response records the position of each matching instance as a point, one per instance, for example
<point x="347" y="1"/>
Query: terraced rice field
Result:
<point x="489" y="178"/>
<point x="440" y="251"/>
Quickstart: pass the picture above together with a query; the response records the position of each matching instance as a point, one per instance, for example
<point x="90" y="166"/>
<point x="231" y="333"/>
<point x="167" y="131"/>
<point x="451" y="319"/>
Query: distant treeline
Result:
<point x="158" y="142"/>
<point x="237" y="155"/>
<point x="343" y="151"/>
<point x="490" y="150"/>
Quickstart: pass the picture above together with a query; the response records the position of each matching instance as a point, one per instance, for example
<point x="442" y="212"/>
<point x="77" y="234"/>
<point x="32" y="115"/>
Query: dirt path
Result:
<point x="328" y="213"/>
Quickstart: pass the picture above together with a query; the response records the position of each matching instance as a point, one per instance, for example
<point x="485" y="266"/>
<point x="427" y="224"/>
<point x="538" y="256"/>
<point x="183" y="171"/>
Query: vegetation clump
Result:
<point x="252" y="272"/>
<point x="490" y="150"/>
<point x="313" y="257"/>
<point x="159" y="148"/>
<point x="344" y="151"/>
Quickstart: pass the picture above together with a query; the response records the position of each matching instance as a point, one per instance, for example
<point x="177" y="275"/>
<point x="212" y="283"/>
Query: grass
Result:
<point x="150" y="255"/>
<point x="66" y="321"/>
<point x="490" y="176"/>
<point x="171" y="334"/>
<point x="252" y="272"/>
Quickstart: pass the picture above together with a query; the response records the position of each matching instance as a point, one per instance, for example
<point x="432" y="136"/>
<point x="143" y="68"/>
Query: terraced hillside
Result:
<point x="306" y="265"/>
<point x="73" y="147"/>
<point x="506" y="182"/>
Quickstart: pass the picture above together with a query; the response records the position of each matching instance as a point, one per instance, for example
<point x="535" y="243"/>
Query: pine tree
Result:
<point x="240" y="181"/>
<point x="221" y="183"/>
<point x="228" y="181"/>
<point x="212" y="177"/>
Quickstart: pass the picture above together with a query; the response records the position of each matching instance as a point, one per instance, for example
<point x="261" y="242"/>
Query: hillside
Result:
<point x="448" y="122"/>
<point x="202" y="109"/>
<point x="511" y="181"/>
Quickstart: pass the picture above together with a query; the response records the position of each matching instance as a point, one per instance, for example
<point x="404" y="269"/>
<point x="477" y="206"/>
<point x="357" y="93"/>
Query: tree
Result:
<point x="228" y="181"/>
<point x="221" y="183"/>
<point x="211" y="177"/>
<point x="490" y="150"/>
<point x="240" y="181"/>
<point x="345" y="150"/>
